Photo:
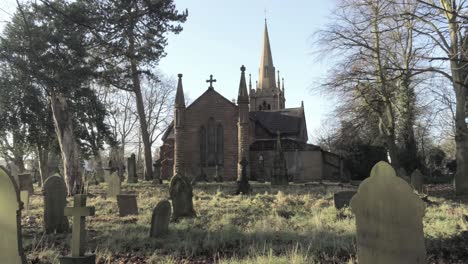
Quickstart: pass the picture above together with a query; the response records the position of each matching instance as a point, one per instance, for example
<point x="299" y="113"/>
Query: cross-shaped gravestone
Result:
<point x="79" y="211"/>
<point x="211" y="81"/>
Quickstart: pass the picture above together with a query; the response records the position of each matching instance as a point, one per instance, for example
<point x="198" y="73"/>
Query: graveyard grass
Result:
<point x="293" y="224"/>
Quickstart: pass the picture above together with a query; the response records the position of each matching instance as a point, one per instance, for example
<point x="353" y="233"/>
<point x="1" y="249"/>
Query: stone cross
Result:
<point x="211" y="81"/>
<point x="388" y="219"/>
<point x="79" y="211"/>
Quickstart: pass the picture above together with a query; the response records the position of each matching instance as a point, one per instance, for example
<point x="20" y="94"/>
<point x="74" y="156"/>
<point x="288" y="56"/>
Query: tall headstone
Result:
<point x="403" y="174"/>
<point x="78" y="244"/>
<point x="280" y="173"/>
<point x="388" y="219"/>
<point x="181" y="194"/>
<point x="25" y="183"/>
<point x="11" y="246"/>
<point x="160" y="219"/>
<point x="243" y="185"/>
<point x="55" y="201"/>
<point x="131" y="169"/>
<point x="127" y="204"/>
<point x="113" y="185"/>
<point x="417" y="180"/>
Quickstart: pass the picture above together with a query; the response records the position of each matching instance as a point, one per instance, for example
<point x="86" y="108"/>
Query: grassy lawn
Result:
<point x="293" y="224"/>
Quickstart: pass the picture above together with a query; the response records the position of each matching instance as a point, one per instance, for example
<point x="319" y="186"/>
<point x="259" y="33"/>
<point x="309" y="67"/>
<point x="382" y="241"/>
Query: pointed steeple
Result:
<point x="179" y="98"/>
<point x="250" y="81"/>
<point x="278" y="85"/>
<point x="243" y="96"/>
<point x="267" y="69"/>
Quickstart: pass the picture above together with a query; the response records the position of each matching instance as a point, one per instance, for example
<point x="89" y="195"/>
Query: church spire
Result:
<point x="267" y="69"/>
<point x="179" y="99"/>
<point x="243" y="96"/>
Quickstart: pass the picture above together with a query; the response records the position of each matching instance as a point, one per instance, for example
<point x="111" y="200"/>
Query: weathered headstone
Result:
<point x="24" y="197"/>
<point x="78" y="243"/>
<point x="342" y="199"/>
<point x="417" y="181"/>
<point x="280" y="172"/>
<point x="11" y="246"/>
<point x="113" y="185"/>
<point x="388" y="219"/>
<point x="181" y="194"/>
<point x="55" y="201"/>
<point x="127" y="204"/>
<point x="131" y="169"/>
<point x="243" y="185"/>
<point x="160" y="219"/>
<point x="25" y="182"/>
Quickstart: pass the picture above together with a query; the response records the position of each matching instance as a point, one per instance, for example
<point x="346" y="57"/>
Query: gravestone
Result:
<point x="55" y="201"/>
<point x="24" y="197"/>
<point x="279" y="175"/>
<point x="342" y="199"/>
<point x="243" y="185"/>
<point x="417" y="181"/>
<point x="388" y="219"/>
<point x="131" y="170"/>
<point x="11" y="246"/>
<point x="160" y="219"/>
<point x="181" y="194"/>
<point x="78" y="244"/>
<point x="127" y="204"/>
<point x="113" y="185"/>
<point x="25" y="182"/>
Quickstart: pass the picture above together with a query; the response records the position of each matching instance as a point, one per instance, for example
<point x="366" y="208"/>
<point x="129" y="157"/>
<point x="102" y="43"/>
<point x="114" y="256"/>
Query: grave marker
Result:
<point x="181" y="194"/>
<point x="78" y="244"/>
<point x="55" y="201"/>
<point x="127" y="204"/>
<point x="131" y="169"/>
<point x="342" y="199"/>
<point x="11" y="246"/>
<point x="25" y="182"/>
<point x="160" y="219"/>
<point x="113" y="185"/>
<point x="417" y="181"/>
<point x="388" y="219"/>
<point x="24" y="197"/>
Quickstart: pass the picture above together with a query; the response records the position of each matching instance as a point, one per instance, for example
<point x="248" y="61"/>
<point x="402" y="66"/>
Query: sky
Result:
<point x="220" y="36"/>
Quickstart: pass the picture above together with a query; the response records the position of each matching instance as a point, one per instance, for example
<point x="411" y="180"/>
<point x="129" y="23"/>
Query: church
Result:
<point x="213" y="134"/>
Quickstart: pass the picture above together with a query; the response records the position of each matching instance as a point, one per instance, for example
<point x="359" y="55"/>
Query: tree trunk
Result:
<point x="141" y="110"/>
<point x="461" y="139"/>
<point x="43" y="158"/>
<point x="68" y="146"/>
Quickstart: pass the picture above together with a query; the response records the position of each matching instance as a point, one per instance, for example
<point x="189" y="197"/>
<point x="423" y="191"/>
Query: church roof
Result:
<point x="286" y="121"/>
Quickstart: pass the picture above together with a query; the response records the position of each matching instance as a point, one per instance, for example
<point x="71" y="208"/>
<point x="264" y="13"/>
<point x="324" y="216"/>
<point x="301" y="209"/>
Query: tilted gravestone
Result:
<point x="113" y="185"/>
<point x="417" y="180"/>
<point x="181" y="194"/>
<point x="24" y="197"/>
<point x="342" y="199"/>
<point x="25" y="183"/>
<point x="55" y="201"/>
<point x="160" y="219"/>
<point x="78" y="244"/>
<point x="127" y="204"/>
<point x="11" y="246"/>
<point x="388" y="219"/>
<point x="131" y="169"/>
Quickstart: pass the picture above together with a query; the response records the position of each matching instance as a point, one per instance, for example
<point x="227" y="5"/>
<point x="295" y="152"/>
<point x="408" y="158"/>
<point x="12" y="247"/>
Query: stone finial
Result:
<point x="243" y="96"/>
<point x="179" y="99"/>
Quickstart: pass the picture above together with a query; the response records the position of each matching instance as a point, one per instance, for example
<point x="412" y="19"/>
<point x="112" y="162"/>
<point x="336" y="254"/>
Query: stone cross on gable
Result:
<point x="211" y="81"/>
<point x="78" y="212"/>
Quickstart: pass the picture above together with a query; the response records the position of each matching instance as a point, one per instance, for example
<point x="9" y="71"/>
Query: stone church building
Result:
<point x="213" y="134"/>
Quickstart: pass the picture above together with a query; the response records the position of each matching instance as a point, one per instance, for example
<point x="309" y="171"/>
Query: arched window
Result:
<point x="202" y="137"/>
<point x="211" y="155"/>
<point x="219" y="145"/>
